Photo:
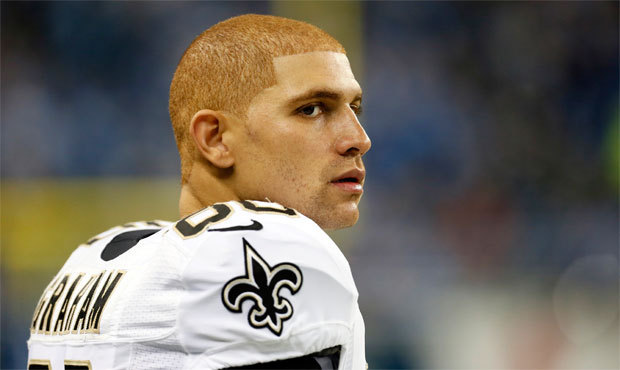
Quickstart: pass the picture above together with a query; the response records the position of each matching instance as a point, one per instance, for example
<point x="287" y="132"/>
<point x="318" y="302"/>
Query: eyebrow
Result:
<point x="321" y="93"/>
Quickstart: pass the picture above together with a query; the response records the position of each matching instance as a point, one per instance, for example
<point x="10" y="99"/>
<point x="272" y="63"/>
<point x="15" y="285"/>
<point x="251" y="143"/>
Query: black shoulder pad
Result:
<point x="123" y="242"/>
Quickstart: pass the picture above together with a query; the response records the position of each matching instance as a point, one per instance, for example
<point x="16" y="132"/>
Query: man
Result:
<point x="264" y="111"/>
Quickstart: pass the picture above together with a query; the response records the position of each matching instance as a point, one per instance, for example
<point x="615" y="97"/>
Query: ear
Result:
<point x="208" y="128"/>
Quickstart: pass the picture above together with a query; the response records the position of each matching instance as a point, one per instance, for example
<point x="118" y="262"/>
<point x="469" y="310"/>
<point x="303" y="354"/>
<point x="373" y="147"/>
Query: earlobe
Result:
<point x="208" y="128"/>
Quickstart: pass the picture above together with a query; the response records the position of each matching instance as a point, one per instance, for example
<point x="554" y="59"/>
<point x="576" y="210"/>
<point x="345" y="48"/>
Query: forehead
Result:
<point x="322" y="67"/>
<point x="315" y="71"/>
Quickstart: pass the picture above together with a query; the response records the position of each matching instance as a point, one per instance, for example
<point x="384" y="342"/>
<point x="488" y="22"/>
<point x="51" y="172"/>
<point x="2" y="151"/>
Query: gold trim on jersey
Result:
<point x="62" y="311"/>
<point x="201" y="216"/>
<point x="192" y="222"/>
<point x="47" y="363"/>
<point x="85" y="363"/>
<point x="273" y="208"/>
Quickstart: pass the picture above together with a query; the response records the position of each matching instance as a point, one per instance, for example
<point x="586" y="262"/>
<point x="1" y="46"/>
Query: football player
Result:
<point x="265" y="113"/>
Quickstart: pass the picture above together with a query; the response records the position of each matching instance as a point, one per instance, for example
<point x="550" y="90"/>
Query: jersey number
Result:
<point x="198" y="222"/>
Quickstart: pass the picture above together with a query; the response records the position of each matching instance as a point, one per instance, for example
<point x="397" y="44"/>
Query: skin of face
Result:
<point x="301" y="136"/>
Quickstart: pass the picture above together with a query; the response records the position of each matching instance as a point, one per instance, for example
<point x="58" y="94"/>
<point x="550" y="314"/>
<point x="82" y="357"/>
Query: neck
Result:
<point x="206" y="185"/>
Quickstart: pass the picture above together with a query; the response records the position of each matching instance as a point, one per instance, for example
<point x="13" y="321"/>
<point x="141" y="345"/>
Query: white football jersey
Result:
<point x="237" y="283"/>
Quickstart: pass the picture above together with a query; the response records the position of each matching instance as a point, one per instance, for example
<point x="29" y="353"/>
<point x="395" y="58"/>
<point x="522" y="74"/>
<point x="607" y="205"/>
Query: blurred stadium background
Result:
<point x="489" y="229"/>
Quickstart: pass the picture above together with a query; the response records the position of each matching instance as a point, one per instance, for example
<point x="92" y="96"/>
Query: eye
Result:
<point x="357" y="109"/>
<point x="311" y="110"/>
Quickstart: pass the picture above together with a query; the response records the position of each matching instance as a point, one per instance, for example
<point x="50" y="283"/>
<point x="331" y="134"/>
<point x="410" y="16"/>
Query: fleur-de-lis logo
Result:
<point x="262" y="284"/>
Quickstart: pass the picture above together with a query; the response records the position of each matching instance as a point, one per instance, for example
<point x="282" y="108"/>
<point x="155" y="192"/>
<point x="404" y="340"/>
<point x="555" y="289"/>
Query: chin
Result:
<point x="338" y="219"/>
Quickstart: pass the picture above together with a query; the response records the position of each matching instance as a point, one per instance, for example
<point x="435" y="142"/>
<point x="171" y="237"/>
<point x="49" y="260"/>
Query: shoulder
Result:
<point x="233" y="228"/>
<point x="265" y="274"/>
<point x="114" y="242"/>
<point x="108" y="235"/>
<point x="93" y="278"/>
<point x="234" y="216"/>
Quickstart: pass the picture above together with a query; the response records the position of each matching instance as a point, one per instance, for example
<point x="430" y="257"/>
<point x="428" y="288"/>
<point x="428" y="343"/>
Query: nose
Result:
<point x="352" y="140"/>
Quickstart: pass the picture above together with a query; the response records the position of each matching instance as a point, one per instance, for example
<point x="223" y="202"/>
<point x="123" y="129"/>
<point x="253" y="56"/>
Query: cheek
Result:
<point x="294" y="152"/>
<point x="294" y="177"/>
<point x="293" y="172"/>
<point x="288" y="156"/>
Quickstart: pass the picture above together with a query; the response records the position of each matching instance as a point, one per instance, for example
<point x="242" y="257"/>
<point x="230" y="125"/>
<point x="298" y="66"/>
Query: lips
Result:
<point x="350" y="181"/>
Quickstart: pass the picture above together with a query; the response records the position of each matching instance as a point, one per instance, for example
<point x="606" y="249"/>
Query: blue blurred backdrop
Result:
<point x="489" y="228"/>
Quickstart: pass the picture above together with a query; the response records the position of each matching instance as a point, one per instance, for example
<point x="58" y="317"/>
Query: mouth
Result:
<point x="351" y="181"/>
